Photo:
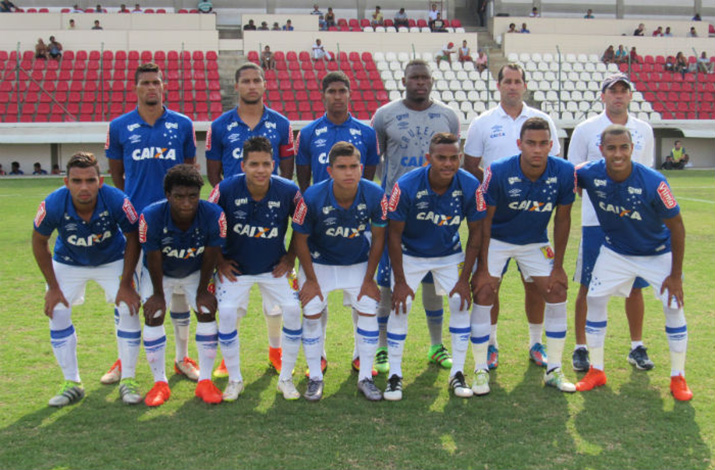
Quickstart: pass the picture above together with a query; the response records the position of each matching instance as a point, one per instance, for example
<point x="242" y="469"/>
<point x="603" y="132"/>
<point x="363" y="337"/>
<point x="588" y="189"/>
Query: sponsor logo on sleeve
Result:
<point x="129" y="211"/>
<point x="106" y="142"/>
<point x="41" y="213"/>
<point x="383" y="206"/>
<point x="394" y="198"/>
<point x="143" y="227"/>
<point x="481" y="203"/>
<point x="666" y="196"/>
<point x="208" y="140"/>
<point x="222" y="226"/>
<point x="487" y="179"/>
<point x="215" y="195"/>
<point x="300" y="213"/>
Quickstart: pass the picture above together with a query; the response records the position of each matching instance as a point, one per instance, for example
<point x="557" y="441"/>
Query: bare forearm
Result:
<point x="131" y="256"/>
<point x="286" y="168"/>
<point x="213" y="170"/>
<point x="43" y="257"/>
<point x="562" y="227"/>
<point x="303" y="177"/>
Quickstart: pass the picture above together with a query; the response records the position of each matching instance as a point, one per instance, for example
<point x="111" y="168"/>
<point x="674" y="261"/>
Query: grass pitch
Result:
<point x="632" y="422"/>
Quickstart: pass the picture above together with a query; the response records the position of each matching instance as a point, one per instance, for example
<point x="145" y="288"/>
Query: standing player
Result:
<point x="493" y="136"/>
<point x="404" y="130"/>
<point x="339" y="229"/>
<point x="644" y="236"/>
<point x="585" y="144"/>
<point x="521" y="193"/>
<point x="96" y="240"/>
<point x="141" y="147"/>
<point x="317" y="138"/>
<point x="258" y="206"/>
<point x="224" y="152"/>
<point x="182" y="238"/>
<point x="426" y="208"/>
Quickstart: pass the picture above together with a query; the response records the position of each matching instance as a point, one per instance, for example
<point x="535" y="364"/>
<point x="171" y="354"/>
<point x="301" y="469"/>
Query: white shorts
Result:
<point x="73" y="279"/>
<point x="445" y="271"/>
<point x="534" y="259"/>
<point x="276" y="292"/>
<point x="334" y="277"/>
<point x="614" y="274"/>
<point x="186" y="286"/>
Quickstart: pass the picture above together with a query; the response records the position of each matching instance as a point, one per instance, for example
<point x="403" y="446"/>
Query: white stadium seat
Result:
<point x="646" y="107"/>
<point x="449" y="75"/>
<point x="468" y="66"/>
<point x="403" y="57"/>
<point x="473" y="96"/>
<point x="467" y="85"/>
<point x="447" y="96"/>
<point x="466" y="106"/>
<point x="395" y="95"/>
<point x="459" y="95"/>
<point x="442" y="85"/>
<point x="513" y="57"/>
<point x="455" y="85"/>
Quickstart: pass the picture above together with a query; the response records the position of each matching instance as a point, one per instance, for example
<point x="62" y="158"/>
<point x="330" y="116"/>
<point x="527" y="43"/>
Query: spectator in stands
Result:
<point x="692" y="33"/>
<point x="15" y="169"/>
<point x="524" y="29"/>
<point x="377" y="18"/>
<point x="446" y="53"/>
<point x="401" y="19"/>
<point x="267" y="60"/>
<point x="676" y="159"/>
<point x="658" y="32"/>
<point x="319" y="52"/>
<point x="263" y="26"/>
<point x="71" y="26"/>
<point x="482" y="12"/>
<point x="669" y="64"/>
<point x="205" y="6"/>
<point x="6" y="6"/>
<point x="2" y="172"/>
<point x="667" y="32"/>
<point x="137" y="9"/>
<point x="288" y="26"/>
<point x="621" y="54"/>
<point x="681" y="64"/>
<point x="251" y="26"/>
<point x="40" y="49"/>
<point x="330" y="18"/>
<point x="512" y="28"/>
<point x="76" y="9"/>
<point x="589" y="14"/>
<point x="276" y="26"/>
<point x="634" y="56"/>
<point x="432" y="14"/>
<point x="482" y="61"/>
<point x="56" y="168"/>
<point x="321" y="18"/>
<point x="99" y="9"/>
<point x="38" y="169"/>
<point x="534" y="13"/>
<point x="438" y="25"/>
<point x="123" y="9"/>
<point x="464" y="53"/>
<point x="97" y="26"/>
<point x="609" y="56"/>
<point x="697" y="17"/>
<point x="704" y="64"/>
<point x="54" y="48"/>
<point x="640" y="30"/>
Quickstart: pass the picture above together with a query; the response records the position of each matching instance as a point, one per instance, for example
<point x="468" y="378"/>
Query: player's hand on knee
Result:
<point x="309" y="290"/>
<point x="227" y="269"/>
<point x="154" y="307"/>
<point x="52" y="298"/>
<point x="400" y="292"/>
<point x="370" y="289"/>
<point x="206" y="303"/>
<point x="674" y="286"/>
<point x="461" y="288"/>
<point x="558" y="282"/>
<point x="129" y="296"/>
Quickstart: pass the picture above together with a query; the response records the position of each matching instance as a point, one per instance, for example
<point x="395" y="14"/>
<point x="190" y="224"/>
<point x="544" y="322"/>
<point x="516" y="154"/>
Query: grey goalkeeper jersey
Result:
<point x="404" y="136"/>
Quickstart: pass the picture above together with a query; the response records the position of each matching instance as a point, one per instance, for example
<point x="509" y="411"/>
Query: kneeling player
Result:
<point x="427" y="206"/>
<point x="521" y="193"/>
<point x="90" y="219"/>
<point x="182" y="238"/>
<point x="645" y="237"/>
<point x="339" y="231"/>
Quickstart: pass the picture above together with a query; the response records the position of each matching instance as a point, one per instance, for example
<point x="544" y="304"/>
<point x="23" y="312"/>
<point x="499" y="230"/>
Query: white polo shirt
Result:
<point x="584" y="145"/>
<point x="493" y="135"/>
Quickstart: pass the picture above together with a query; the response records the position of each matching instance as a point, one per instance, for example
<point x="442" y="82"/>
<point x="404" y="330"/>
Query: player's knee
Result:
<point x="485" y="295"/>
<point x="153" y="320"/>
<point x="205" y="317"/>
<point x="556" y="295"/>
<point x="227" y="318"/>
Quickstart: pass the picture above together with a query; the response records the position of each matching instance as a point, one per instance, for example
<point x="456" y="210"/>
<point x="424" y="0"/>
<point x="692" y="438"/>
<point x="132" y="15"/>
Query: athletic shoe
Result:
<point x="368" y="388"/>
<point x="393" y="391"/>
<point x="187" y="367"/>
<point x="381" y="363"/>
<point x="537" y="354"/>
<point x="492" y="357"/>
<point x="208" y="392"/>
<point x="480" y="386"/>
<point x="113" y="375"/>
<point x="158" y="394"/>
<point x="356" y="367"/>
<point x="70" y="392"/>
<point x="458" y="384"/>
<point x="275" y="357"/>
<point x="439" y="355"/>
<point x="288" y="389"/>
<point x="314" y="391"/>
<point x="556" y="378"/>
<point x="580" y="360"/>
<point x="594" y="378"/>
<point x="232" y="391"/>
<point x="323" y="367"/>
<point x="129" y="391"/>
<point x="639" y="358"/>
<point x="680" y="389"/>
<point x="221" y="371"/>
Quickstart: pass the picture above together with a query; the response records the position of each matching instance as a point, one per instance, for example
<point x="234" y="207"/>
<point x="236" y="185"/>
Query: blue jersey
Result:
<point x="224" y="141"/>
<point x="431" y="220"/>
<point x="317" y="138"/>
<point x="257" y="229"/>
<point x="338" y="236"/>
<point x="80" y="243"/>
<point x="148" y="152"/>
<point x="524" y="207"/>
<point x="181" y="251"/>
<point x="631" y="213"/>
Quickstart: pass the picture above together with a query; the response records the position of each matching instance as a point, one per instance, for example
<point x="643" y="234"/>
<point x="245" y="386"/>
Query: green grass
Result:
<point x="633" y="422"/>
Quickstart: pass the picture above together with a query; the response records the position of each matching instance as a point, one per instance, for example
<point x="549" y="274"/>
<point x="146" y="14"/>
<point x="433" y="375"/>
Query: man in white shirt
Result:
<point x="319" y="52"/>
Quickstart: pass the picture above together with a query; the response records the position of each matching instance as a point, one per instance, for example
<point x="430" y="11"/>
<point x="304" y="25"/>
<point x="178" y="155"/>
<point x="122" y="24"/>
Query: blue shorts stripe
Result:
<point x="396" y="337"/>
<point x="129" y="334"/>
<point x="207" y="338"/>
<point x="227" y="336"/>
<point x="677" y="329"/>
<point x="596" y="324"/>
<point x="460" y="331"/>
<point x="556" y="334"/>
<point x="297" y="332"/>
<point x="154" y="342"/>
<point x="180" y="315"/>
<point x="434" y="313"/>
<point x="369" y="334"/>
<point x="479" y="339"/>
<point x="59" y="334"/>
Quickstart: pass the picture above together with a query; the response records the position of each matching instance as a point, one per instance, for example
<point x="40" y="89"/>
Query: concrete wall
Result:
<point x="59" y="21"/>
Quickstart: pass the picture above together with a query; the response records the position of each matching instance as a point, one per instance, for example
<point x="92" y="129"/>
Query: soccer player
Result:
<point x="426" y="209"/>
<point x="616" y="94"/>
<point x="521" y="193"/>
<point x="182" y="238"/>
<point x="258" y="206"/>
<point x="404" y="128"/>
<point x="492" y="136"/>
<point x="644" y="236"/>
<point x="317" y="138"/>
<point x="339" y="229"/>
<point x="141" y="147"/>
<point x="96" y="240"/>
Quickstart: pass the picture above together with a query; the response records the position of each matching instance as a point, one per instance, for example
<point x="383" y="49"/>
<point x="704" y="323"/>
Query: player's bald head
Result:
<point x="615" y="130"/>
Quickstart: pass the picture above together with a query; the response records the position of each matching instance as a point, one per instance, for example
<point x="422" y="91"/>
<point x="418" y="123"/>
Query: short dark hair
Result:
<point x="182" y="175"/>
<point x="535" y="124"/>
<point x="443" y="138"/>
<point x="249" y="66"/>
<point x="512" y="66"/>
<point x="418" y="63"/>
<point x="676" y="142"/>
<point x="15" y="164"/>
<point x="616" y="129"/>
<point x="257" y="144"/>
<point x="82" y="160"/>
<point x="38" y="163"/>
<point x="148" y="67"/>
<point x="333" y="77"/>
<point x="342" y="149"/>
